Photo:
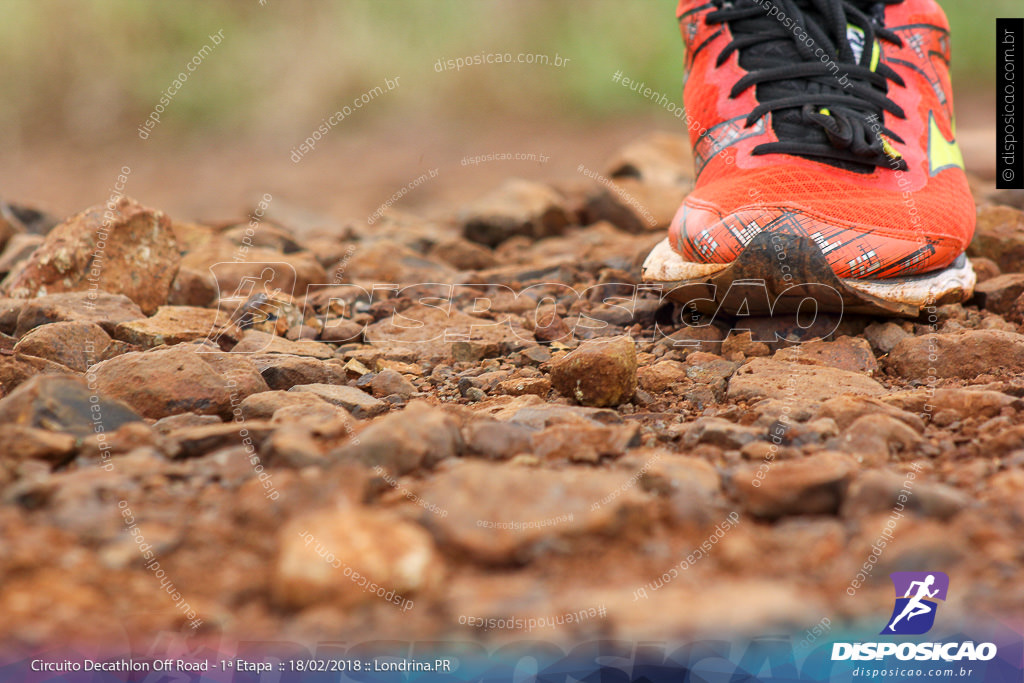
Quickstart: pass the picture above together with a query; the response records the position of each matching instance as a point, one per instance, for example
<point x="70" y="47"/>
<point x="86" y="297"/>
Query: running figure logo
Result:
<point x="917" y="594"/>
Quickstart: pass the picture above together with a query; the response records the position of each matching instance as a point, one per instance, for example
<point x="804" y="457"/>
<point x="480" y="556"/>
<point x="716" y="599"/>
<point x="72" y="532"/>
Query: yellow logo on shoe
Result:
<point x="942" y="153"/>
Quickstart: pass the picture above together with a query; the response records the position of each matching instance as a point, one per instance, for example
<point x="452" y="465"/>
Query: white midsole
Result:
<point x="663" y="264"/>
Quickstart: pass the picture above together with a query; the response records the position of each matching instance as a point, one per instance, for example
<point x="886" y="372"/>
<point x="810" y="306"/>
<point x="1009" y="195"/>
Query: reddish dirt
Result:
<point x="675" y="482"/>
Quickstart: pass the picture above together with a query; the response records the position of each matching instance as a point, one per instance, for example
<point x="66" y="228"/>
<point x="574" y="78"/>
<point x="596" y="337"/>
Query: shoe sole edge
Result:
<point x="801" y="273"/>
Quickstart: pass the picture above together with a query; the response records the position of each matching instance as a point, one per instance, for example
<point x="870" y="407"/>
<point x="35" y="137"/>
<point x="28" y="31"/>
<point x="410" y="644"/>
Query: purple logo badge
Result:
<point x="917" y="596"/>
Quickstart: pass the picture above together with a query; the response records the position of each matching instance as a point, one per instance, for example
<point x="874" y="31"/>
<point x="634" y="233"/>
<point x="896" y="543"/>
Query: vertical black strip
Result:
<point x="1010" y="104"/>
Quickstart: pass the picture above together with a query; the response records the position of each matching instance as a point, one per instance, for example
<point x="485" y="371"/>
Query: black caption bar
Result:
<point x="1009" y="119"/>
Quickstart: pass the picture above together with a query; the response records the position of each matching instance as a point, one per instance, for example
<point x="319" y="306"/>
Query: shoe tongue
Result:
<point x="792" y="124"/>
<point x="855" y="36"/>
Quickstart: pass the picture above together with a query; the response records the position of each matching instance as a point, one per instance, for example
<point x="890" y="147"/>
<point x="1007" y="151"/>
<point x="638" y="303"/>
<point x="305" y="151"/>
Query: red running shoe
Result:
<point x="825" y="155"/>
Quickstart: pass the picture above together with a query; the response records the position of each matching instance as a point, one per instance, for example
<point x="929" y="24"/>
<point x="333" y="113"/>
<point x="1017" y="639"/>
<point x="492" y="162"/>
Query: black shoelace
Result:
<point x="816" y="114"/>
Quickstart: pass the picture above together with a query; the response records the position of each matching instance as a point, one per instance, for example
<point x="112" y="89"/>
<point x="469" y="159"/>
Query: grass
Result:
<point x="91" y="70"/>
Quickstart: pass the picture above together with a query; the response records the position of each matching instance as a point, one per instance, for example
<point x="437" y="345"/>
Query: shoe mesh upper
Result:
<point x="887" y="223"/>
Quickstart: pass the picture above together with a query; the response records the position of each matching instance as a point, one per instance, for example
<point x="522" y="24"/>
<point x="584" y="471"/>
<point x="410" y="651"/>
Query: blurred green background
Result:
<point x="88" y="70"/>
<point x="79" y="77"/>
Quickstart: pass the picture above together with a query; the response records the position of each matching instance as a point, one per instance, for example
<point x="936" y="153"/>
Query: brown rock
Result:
<point x="519" y="207"/>
<point x="265" y="269"/>
<point x="703" y="396"/>
<point x="664" y="471"/>
<point x="178" y="379"/>
<point x="414" y="369"/>
<point x="500" y="513"/>
<point x="875" y="439"/>
<point x="541" y="270"/>
<point x="17" y="251"/>
<point x="106" y="310"/>
<point x="633" y="205"/>
<point x="192" y="236"/>
<point x="193" y="442"/>
<point x="167" y="425"/>
<point x="308" y="440"/>
<point x="28" y="218"/>
<point x="599" y="373"/>
<point x="764" y="378"/>
<point x="294" y="446"/>
<point x="283" y="372"/>
<point x="985" y="269"/>
<point x="255" y="341"/>
<point x="534" y="412"/>
<point x="274" y="313"/>
<point x="339" y="300"/>
<point x="772" y="410"/>
<point x="139" y="256"/>
<point x="264" y="405"/>
<point x="845" y="353"/>
<point x="385" y="261"/>
<point x="418" y="436"/>
<point x="390" y="383"/>
<point x="302" y="333"/>
<point x="722" y="433"/>
<point x="324" y="557"/>
<point x="707" y="339"/>
<point x="883" y="491"/>
<point x="27" y="443"/>
<point x="76" y="345"/>
<point x="964" y="403"/>
<point x="584" y="443"/>
<point x="432" y="334"/>
<point x="176" y="324"/>
<point x="1004" y="442"/>
<point x="691" y="485"/>
<point x="781" y="331"/>
<point x="355" y="370"/>
<point x="705" y="368"/>
<point x="551" y="327"/>
<point x="193" y="287"/>
<point x="122" y="441"/>
<point x="9" y="310"/>
<point x="330" y="248"/>
<point x="18" y="368"/>
<point x="640" y="311"/>
<point x="485" y="380"/>
<point x="965" y="354"/>
<point x="662" y="376"/>
<point x="497" y="440"/>
<point x="812" y="486"/>
<point x="464" y="255"/>
<point x="742" y="345"/>
<point x="656" y="159"/>
<point x="883" y="337"/>
<point x="473" y="394"/>
<point x="315" y="415"/>
<point x="525" y="385"/>
<point x="366" y="355"/>
<point x="1006" y="320"/>
<point x="340" y="330"/>
<point x="846" y="410"/>
<point x="64" y="404"/>
<point x="813" y="432"/>
<point x="9" y="225"/>
<point x="999" y="293"/>
<point x="999" y="236"/>
<point x="356" y="401"/>
<point x="267" y="236"/>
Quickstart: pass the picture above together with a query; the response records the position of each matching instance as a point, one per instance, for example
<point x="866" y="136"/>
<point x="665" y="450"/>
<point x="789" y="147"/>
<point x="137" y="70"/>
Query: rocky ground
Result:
<point x="286" y="418"/>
